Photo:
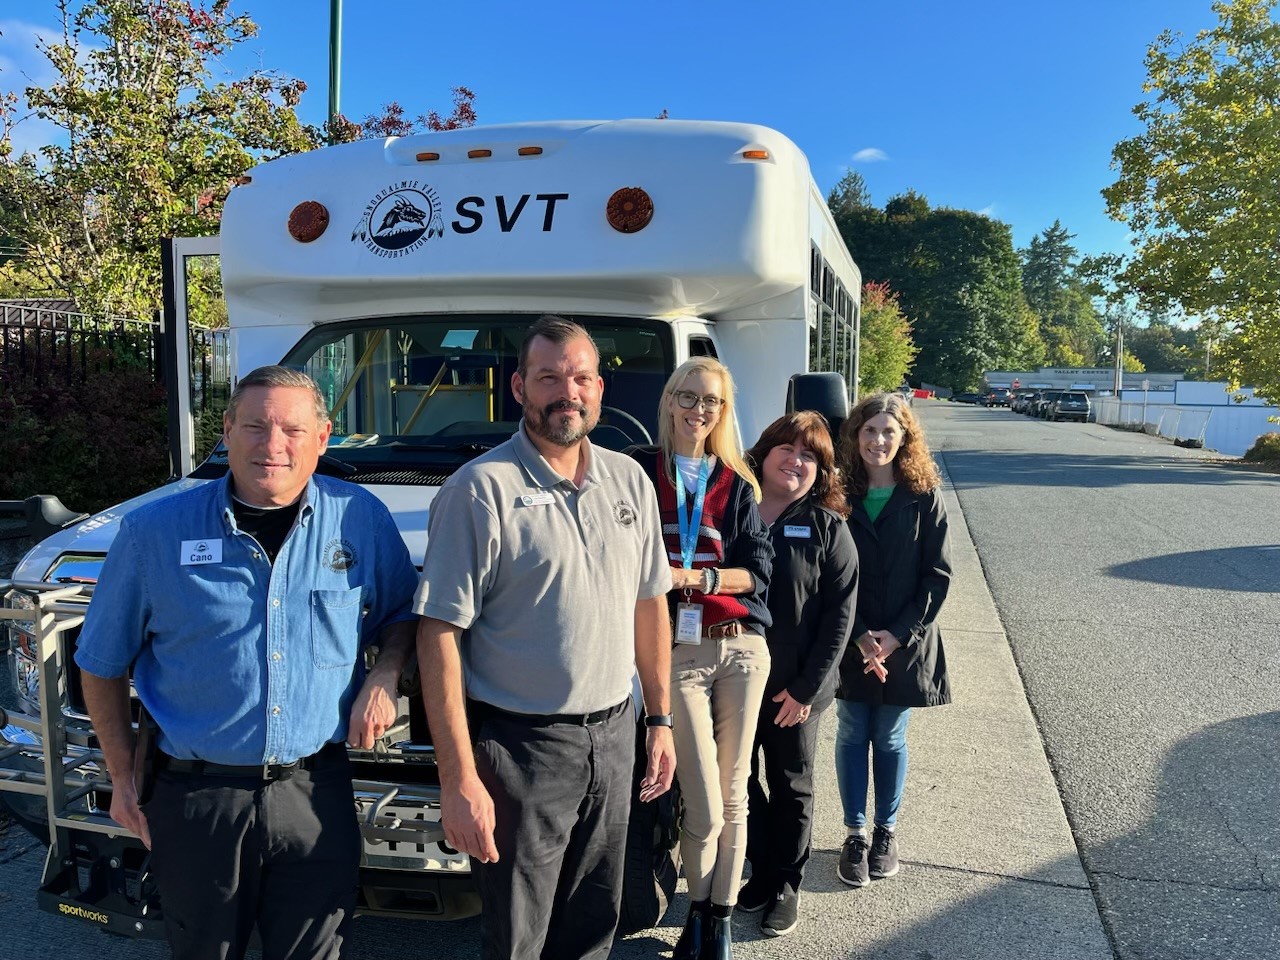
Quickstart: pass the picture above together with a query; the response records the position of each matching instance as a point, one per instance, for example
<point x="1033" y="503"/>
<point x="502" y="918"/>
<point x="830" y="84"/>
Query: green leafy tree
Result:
<point x="1060" y="296"/>
<point x="151" y="145"/>
<point x="958" y="282"/>
<point x="1198" y="185"/>
<point x="1161" y="345"/>
<point x="886" y="347"/>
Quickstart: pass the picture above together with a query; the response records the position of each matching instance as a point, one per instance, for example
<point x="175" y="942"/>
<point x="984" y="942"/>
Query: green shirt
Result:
<point x="875" y="500"/>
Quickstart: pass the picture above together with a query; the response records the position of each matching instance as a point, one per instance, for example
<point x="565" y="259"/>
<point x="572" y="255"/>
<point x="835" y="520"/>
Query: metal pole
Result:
<point x="335" y="58"/>
<point x="1119" y="384"/>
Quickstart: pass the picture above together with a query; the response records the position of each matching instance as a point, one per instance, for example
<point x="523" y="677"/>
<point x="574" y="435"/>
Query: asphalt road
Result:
<point x="1139" y="586"/>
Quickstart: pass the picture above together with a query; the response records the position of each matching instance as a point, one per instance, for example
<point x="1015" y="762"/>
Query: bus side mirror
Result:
<point x="824" y="393"/>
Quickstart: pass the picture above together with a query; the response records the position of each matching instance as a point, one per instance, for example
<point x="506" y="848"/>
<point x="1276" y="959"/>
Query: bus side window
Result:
<point x="702" y="347"/>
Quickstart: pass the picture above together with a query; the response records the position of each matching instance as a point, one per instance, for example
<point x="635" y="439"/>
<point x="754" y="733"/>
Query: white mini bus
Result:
<point x="402" y="274"/>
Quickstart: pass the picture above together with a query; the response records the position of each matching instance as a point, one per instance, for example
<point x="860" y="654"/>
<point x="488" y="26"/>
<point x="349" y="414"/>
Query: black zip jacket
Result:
<point x="904" y="565"/>
<point x="812" y="596"/>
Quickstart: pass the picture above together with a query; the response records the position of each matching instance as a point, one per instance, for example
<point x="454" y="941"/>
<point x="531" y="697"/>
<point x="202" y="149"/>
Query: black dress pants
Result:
<point x="561" y="794"/>
<point x="780" y="825"/>
<point x="232" y="853"/>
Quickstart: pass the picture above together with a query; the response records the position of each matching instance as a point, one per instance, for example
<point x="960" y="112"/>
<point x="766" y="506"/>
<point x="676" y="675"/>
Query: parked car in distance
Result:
<point x="1027" y="402"/>
<point x="1018" y="404"/>
<point x="997" y="397"/>
<point x="1045" y="401"/>
<point x="965" y="398"/>
<point x="1070" y="406"/>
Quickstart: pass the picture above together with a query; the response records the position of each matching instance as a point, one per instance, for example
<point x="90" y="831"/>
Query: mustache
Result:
<point x="564" y="406"/>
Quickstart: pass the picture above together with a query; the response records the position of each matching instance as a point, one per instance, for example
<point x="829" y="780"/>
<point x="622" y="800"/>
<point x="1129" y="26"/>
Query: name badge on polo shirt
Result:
<point x="800" y="533"/>
<point x="200" y="551"/>
<point x="540" y="499"/>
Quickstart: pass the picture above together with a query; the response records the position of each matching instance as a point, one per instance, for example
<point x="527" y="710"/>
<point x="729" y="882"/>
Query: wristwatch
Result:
<point x="658" y="720"/>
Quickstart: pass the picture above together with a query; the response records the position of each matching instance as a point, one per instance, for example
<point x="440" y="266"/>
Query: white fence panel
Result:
<point x="1230" y="429"/>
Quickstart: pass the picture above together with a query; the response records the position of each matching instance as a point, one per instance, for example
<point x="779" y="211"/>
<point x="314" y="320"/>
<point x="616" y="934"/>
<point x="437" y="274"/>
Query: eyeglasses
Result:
<point x="688" y="400"/>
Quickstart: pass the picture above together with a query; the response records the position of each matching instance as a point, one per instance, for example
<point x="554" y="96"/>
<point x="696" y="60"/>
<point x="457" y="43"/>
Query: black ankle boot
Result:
<point x="718" y="941"/>
<point x="694" y="934"/>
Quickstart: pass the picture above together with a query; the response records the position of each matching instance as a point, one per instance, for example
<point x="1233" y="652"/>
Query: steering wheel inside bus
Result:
<point x="630" y="422"/>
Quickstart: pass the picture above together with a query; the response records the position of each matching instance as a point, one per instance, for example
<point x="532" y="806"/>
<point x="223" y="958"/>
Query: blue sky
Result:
<point x="1008" y="108"/>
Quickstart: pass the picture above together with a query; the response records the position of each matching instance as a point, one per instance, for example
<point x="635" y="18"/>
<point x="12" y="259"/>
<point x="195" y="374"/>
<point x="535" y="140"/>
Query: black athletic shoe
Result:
<point x="756" y="894"/>
<point x="883" y="859"/>
<point x="783" y="914"/>
<point x="853" y="861"/>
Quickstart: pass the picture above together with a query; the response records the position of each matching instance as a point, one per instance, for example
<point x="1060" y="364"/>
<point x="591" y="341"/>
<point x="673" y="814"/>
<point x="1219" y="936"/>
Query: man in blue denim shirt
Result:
<point x="243" y="607"/>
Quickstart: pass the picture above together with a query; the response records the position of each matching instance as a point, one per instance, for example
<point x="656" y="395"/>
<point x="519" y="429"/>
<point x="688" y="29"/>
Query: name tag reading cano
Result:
<point x="200" y="551"/>
<point x="798" y="532"/>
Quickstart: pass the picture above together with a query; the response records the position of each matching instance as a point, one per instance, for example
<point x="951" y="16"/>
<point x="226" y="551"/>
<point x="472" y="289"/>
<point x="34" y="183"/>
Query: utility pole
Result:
<point x="335" y="58"/>
<point x="1119" y="377"/>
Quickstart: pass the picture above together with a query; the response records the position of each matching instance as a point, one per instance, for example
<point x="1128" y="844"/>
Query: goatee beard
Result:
<point x="563" y="434"/>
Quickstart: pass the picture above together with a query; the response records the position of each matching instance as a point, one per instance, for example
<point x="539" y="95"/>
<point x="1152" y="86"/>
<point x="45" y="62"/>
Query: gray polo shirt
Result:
<point x="544" y="576"/>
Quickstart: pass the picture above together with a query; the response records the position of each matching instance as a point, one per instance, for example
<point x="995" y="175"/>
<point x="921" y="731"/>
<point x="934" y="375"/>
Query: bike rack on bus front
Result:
<point x="96" y="870"/>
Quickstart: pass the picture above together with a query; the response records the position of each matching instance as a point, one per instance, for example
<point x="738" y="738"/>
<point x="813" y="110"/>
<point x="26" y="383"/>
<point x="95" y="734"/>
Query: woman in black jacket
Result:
<point x="896" y="661"/>
<point x="811" y="599"/>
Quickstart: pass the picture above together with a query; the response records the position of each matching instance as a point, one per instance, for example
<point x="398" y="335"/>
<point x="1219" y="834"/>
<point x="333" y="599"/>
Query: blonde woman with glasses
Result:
<point x="721" y="559"/>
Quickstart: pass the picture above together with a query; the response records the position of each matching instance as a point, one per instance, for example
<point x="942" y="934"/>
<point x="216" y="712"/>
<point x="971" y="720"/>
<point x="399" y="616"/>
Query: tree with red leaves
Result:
<point x="392" y="121"/>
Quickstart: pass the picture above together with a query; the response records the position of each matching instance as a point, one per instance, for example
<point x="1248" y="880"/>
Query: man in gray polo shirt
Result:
<point x="543" y="592"/>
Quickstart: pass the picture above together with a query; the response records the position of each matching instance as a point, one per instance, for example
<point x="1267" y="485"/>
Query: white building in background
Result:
<point x="1095" y="381"/>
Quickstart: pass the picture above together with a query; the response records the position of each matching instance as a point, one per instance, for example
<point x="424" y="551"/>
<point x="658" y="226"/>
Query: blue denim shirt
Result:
<point x="238" y="660"/>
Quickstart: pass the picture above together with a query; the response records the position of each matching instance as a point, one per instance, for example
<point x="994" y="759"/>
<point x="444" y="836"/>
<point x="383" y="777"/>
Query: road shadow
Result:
<point x="1252" y="569"/>
<point x="973" y="469"/>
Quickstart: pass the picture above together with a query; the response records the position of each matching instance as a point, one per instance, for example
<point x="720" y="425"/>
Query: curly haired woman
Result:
<point x="895" y="660"/>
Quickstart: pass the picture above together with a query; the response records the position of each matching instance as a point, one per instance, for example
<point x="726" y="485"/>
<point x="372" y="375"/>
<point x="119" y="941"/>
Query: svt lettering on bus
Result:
<point x="472" y="209"/>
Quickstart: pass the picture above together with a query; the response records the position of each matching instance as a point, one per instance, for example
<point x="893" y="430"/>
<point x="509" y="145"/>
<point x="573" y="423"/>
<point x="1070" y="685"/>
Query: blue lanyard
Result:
<point x="689" y="525"/>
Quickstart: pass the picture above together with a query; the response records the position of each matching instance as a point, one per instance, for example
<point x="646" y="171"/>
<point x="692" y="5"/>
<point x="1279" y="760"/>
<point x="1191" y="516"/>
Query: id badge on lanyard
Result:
<point x="689" y="615"/>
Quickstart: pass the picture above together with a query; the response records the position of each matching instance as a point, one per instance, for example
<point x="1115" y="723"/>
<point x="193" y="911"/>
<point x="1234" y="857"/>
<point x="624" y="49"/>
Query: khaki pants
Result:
<point x="716" y="688"/>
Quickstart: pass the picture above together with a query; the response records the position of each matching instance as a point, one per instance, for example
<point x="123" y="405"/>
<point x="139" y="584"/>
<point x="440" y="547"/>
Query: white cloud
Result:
<point x="22" y="65"/>
<point x="989" y="211"/>
<point x="870" y="155"/>
<point x="21" y="62"/>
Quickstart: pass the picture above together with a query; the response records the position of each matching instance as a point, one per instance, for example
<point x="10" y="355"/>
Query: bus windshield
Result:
<point x="423" y="387"/>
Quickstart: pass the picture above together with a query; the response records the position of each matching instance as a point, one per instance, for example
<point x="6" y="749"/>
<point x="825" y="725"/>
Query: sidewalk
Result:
<point x="990" y="869"/>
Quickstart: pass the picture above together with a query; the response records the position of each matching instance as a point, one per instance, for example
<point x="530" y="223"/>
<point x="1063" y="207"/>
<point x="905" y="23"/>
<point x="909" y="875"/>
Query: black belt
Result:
<point x="481" y="710"/>
<point x="266" y="771"/>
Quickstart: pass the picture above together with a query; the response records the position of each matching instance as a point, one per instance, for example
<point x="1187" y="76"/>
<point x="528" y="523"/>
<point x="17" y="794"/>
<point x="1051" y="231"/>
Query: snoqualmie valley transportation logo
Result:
<point x="400" y="219"/>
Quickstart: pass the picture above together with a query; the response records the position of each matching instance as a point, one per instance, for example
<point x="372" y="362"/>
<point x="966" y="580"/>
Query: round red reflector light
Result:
<point x="308" y="221"/>
<point x="629" y="210"/>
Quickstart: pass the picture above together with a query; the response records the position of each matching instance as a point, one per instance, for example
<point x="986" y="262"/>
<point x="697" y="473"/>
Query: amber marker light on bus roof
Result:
<point x="477" y="154"/>
<point x="755" y="154"/>
<point x="529" y="151"/>
<point x="428" y="156"/>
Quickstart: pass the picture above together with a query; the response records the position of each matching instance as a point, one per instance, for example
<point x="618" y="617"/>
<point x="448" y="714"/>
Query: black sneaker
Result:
<point x="783" y="914"/>
<point x="756" y="894"/>
<point x="853" y="861"/>
<point x="883" y="859"/>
